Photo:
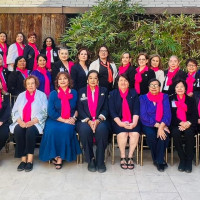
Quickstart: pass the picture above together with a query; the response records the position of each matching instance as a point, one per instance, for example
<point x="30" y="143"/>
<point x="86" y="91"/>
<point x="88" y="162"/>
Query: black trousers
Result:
<point x="4" y="133"/>
<point x="25" y="139"/>
<point x="101" y="138"/>
<point x="188" y="152"/>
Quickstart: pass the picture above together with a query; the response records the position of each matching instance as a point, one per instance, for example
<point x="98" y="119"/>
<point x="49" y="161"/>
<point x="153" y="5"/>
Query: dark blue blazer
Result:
<point x="5" y="111"/>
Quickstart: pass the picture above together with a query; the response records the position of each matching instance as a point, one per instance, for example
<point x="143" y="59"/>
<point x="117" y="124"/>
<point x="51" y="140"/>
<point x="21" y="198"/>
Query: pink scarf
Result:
<point x="159" y="100"/>
<point x="70" y="65"/>
<point x="27" y="107"/>
<point x="190" y="81"/>
<point x="4" y="49"/>
<point x="171" y="75"/>
<point x="3" y="80"/>
<point x="43" y="71"/>
<point x="92" y="105"/>
<point x="24" y="72"/>
<point x="126" y="114"/>
<point x="199" y="108"/>
<point x="65" y="105"/>
<point x="36" y="54"/>
<point x="123" y="69"/>
<point x="20" y="49"/>
<point x="0" y="100"/>
<point x="181" y="108"/>
<point x="155" y="69"/>
<point x="48" y="49"/>
<point x="138" y="78"/>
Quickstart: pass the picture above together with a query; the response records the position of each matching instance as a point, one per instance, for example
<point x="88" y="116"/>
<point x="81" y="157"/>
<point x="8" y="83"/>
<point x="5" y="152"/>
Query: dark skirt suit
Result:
<point x="5" y="75"/>
<point x="59" y="138"/>
<point x="115" y="108"/>
<point x="191" y="116"/>
<point x="148" y="120"/>
<point x="84" y="130"/>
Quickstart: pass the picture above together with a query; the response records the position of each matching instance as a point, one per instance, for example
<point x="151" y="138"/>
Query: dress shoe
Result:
<point x="102" y="168"/>
<point x="161" y="167"/>
<point x="188" y="166"/>
<point x="29" y="167"/>
<point x="21" y="166"/>
<point x="92" y="166"/>
<point x="181" y="166"/>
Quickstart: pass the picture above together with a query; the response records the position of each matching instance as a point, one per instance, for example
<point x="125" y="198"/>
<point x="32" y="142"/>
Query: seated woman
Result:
<point x="184" y="122"/>
<point x="59" y="141"/>
<point x="92" y="114"/>
<point x="4" y="73"/>
<point x="28" y="114"/>
<point x="124" y="109"/>
<point x="155" y="115"/>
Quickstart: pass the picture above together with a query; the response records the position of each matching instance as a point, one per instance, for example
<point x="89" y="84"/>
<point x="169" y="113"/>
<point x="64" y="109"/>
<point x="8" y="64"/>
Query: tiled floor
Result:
<point x="74" y="182"/>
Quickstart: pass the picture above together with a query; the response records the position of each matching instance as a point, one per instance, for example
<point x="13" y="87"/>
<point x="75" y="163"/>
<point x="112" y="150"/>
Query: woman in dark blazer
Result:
<point x="92" y="115"/>
<point x="4" y="73"/>
<point x="184" y="122"/>
<point x="4" y="47"/>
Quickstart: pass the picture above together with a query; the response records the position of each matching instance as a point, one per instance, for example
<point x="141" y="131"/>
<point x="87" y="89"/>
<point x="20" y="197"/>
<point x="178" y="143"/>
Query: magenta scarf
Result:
<point x="92" y="105"/>
<point x="123" y="69"/>
<point x="190" y="81"/>
<point x="5" y="50"/>
<point x="43" y="71"/>
<point x="181" y="108"/>
<point x="155" y="69"/>
<point x="36" y="54"/>
<point x="20" y="49"/>
<point x="70" y="65"/>
<point x="24" y="72"/>
<point x="27" y="107"/>
<point x="138" y="78"/>
<point x="3" y="80"/>
<point x="126" y="114"/>
<point x="0" y="100"/>
<point x="199" y="108"/>
<point x="158" y="99"/>
<point x="171" y="75"/>
<point x="65" y="96"/>
<point x="48" y="49"/>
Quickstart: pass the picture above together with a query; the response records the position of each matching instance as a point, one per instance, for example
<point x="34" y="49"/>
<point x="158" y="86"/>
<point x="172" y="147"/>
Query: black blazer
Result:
<point x="82" y="105"/>
<point x="180" y="75"/>
<point x="5" y="111"/>
<point x="55" y="53"/>
<point x="6" y="75"/>
<point x="1" y="51"/>
<point x="191" y="114"/>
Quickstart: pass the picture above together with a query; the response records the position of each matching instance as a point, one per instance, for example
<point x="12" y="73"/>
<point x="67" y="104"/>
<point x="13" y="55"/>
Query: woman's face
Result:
<point x="126" y="59"/>
<point x="32" y="39"/>
<point x="155" y="62"/>
<point x="30" y="85"/>
<point x="173" y="63"/>
<point x="19" y="38"/>
<point x="123" y="84"/>
<point x="21" y="63"/>
<point x="93" y="80"/>
<point x="41" y="62"/>
<point x="2" y="38"/>
<point x="180" y="89"/>
<point x="63" y="54"/>
<point x="191" y="67"/>
<point x="103" y="53"/>
<point x="48" y="42"/>
<point x="154" y="87"/>
<point x="63" y="81"/>
<point x="83" y="56"/>
<point x="142" y="61"/>
<point x="1" y="61"/>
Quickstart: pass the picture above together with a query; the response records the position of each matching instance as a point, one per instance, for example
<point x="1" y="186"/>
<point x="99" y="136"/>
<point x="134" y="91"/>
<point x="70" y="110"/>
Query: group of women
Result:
<point x="57" y="98"/>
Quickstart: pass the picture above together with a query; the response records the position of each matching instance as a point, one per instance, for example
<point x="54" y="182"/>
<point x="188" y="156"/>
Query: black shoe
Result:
<point x="188" y="166"/>
<point x="21" y="166"/>
<point x="181" y="166"/>
<point x="102" y="168"/>
<point x="165" y="165"/>
<point x="92" y="166"/>
<point x="161" y="167"/>
<point x="29" y="167"/>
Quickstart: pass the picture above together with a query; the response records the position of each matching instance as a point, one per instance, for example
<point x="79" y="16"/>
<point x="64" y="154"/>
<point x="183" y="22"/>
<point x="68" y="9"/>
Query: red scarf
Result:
<point x="190" y="81"/>
<point x="126" y="114"/>
<point x="171" y="75"/>
<point x="3" y="79"/>
<point x="4" y="49"/>
<point x="138" y="78"/>
<point x="181" y="108"/>
<point x="92" y="105"/>
<point x="43" y="71"/>
<point x="110" y="75"/>
<point x="20" y="49"/>
<point x="70" y="65"/>
<point x="36" y="54"/>
<point x="24" y="72"/>
<point x="159" y="101"/>
<point x="123" y="69"/>
<point x="27" y="107"/>
<point x="65" y="105"/>
<point x="48" y="49"/>
<point x="155" y="69"/>
<point x="0" y="100"/>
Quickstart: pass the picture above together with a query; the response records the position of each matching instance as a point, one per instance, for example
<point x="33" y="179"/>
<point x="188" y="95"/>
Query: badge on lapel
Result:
<point x="102" y="94"/>
<point x="83" y="97"/>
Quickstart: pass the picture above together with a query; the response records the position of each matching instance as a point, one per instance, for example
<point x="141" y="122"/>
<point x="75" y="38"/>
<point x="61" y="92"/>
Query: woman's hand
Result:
<point x="1" y="123"/>
<point x="71" y="120"/>
<point x="190" y="94"/>
<point x="92" y="125"/>
<point x="198" y="121"/>
<point x="184" y="125"/>
<point x="32" y="122"/>
<point x="161" y="134"/>
<point x="130" y="125"/>
<point x="21" y="123"/>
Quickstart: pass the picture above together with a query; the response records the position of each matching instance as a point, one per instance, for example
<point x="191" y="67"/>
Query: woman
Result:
<point x="184" y="122"/>
<point x="16" y="78"/>
<point x="63" y="65"/>
<point x="172" y="75"/>
<point x="31" y="52"/>
<point x="124" y="110"/>
<point x="4" y="47"/>
<point x="51" y="51"/>
<point x="105" y="67"/>
<point x="126" y="69"/>
<point x="92" y="114"/>
<point x="80" y="70"/>
<point x="4" y="73"/>
<point x="59" y="141"/>
<point x="156" y="66"/>
<point x="28" y="114"/>
<point x="143" y="74"/>
<point x="15" y="50"/>
<point x="43" y="75"/>
<point x="4" y="116"/>
<point x="155" y="115"/>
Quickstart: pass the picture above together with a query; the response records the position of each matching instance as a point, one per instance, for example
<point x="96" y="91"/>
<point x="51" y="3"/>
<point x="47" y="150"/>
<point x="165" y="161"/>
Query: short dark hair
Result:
<point x="41" y="55"/>
<point x="32" y="34"/>
<point x="67" y="76"/>
<point x="191" y="60"/>
<point x="123" y="76"/>
<point x="24" y="38"/>
<point x="17" y="60"/>
<point x="154" y="79"/>
<point x="93" y="71"/>
<point x="181" y="81"/>
<point x="52" y="40"/>
<point x="37" y="82"/>
<point x="142" y="54"/>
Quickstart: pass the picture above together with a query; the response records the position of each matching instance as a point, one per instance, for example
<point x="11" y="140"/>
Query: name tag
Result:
<point x="62" y="70"/>
<point x="173" y="104"/>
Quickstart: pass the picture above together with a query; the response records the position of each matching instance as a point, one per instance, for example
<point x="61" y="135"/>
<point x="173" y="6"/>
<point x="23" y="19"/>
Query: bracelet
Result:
<point x="99" y="119"/>
<point x="75" y="118"/>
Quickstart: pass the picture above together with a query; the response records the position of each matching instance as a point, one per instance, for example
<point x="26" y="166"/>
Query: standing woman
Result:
<point x="43" y="75"/>
<point x="156" y="66"/>
<point x="31" y="52"/>
<point x="15" y="50"/>
<point x="59" y="141"/>
<point x="51" y="51"/>
<point x="4" y="73"/>
<point x="143" y="74"/>
<point x="4" y="47"/>
<point x="172" y="75"/>
<point x="105" y="67"/>
<point x="80" y="70"/>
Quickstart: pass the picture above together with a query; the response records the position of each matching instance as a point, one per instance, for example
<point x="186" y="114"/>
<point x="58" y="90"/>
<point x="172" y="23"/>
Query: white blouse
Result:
<point x="161" y="77"/>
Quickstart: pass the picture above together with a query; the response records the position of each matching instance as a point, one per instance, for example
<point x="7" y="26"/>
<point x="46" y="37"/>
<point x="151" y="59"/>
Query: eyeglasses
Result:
<point x="154" y="86"/>
<point x="191" y="66"/>
<point x="103" y="51"/>
<point x="141" y="59"/>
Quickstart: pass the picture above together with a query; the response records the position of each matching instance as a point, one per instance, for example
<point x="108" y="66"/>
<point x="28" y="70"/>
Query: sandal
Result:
<point x="130" y="164"/>
<point x="58" y="166"/>
<point x="123" y="163"/>
<point x="54" y="161"/>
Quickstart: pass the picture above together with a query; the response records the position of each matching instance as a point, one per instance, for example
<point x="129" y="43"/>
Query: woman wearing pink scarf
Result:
<point x="4" y="74"/>
<point x="4" y="48"/>
<point x="184" y="122"/>
<point x="124" y="110"/>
